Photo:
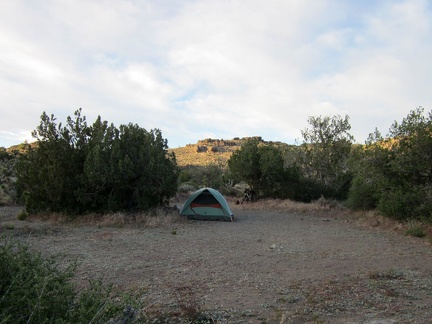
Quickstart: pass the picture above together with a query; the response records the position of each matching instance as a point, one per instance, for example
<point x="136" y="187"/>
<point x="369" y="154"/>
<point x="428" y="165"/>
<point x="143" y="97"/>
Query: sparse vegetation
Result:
<point x="204" y="152"/>
<point x="9" y="227"/>
<point x="157" y="217"/>
<point x="416" y="229"/>
<point x="22" y="215"/>
<point x="36" y="289"/>
<point x="391" y="274"/>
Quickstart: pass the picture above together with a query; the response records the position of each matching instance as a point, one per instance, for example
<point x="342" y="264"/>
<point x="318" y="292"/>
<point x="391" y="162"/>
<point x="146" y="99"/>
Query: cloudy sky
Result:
<point x="214" y="68"/>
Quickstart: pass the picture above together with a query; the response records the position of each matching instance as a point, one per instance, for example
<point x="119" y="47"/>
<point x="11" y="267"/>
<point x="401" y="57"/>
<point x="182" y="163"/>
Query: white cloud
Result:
<point x="219" y="68"/>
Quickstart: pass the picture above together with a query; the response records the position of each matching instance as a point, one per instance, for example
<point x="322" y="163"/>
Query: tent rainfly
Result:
<point x="207" y="204"/>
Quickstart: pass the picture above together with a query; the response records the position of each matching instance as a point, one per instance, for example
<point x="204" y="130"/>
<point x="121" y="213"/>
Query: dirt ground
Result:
<point x="269" y="266"/>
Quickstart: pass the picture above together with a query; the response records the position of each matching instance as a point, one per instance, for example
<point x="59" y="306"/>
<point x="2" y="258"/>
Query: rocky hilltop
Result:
<point x="210" y="150"/>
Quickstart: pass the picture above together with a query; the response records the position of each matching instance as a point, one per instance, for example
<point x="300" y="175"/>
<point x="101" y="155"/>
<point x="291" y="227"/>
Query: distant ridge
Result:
<point x="21" y="147"/>
<point x="210" y="150"/>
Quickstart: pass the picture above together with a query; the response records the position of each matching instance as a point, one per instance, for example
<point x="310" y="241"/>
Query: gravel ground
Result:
<point x="266" y="267"/>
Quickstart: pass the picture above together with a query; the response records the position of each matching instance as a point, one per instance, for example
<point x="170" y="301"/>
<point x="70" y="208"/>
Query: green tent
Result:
<point x="207" y="204"/>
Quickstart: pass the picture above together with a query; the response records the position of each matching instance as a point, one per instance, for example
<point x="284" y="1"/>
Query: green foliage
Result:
<point x="405" y="203"/>
<point x="262" y="167"/>
<point x="396" y="170"/>
<point x="324" y="154"/>
<point x="4" y="155"/>
<point x="366" y="163"/>
<point x="271" y="170"/>
<point x="244" y="164"/>
<point x="362" y="195"/>
<point x="48" y="174"/>
<point x="79" y="168"/>
<point x="276" y="180"/>
<point x="127" y="169"/>
<point x="34" y="289"/>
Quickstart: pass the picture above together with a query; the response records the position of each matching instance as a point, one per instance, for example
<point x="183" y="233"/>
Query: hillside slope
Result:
<point x="209" y="151"/>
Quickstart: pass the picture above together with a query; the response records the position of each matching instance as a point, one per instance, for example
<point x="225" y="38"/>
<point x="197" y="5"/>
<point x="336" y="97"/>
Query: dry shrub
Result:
<point x="185" y="307"/>
<point x="416" y="229"/>
<point x="55" y="218"/>
<point x="391" y="274"/>
<point x="314" y="208"/>
<point x="88" y="219"/>
<point x="373" y="219"/>
<point x="158" y="217"/>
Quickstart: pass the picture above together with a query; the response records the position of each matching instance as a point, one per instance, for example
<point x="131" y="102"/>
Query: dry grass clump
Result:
<point x="373" y="219"/>
<point x="391" y="274"/>
<point x="158" y="217"/>
<point x="416" y="229"/>
<point x="313" y="208"/>
<point x="55" y="218"/>
<point x="412" y="228"/>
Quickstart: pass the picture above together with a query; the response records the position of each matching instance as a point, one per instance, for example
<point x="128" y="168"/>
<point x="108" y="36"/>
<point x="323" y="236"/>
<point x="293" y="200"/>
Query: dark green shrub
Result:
<point x="404" y="203"/>
<point x="263" y="168"/>
<point x="308" y="190"/>
<point x="22" y="215"/>
<point x="244" y="164"/>
<point x="34" y="289"/>
<point x="80" y="168"/>
<point x="362" y="196"/>
<point x="394" y="205"/>
<point x="398" y="167"/>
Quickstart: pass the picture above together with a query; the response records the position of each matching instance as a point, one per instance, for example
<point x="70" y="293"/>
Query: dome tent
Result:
<point x="207" y="204"/>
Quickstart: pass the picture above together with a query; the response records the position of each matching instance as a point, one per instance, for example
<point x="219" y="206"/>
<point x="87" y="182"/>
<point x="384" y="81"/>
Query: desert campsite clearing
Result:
<point x="269" y="266"/>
